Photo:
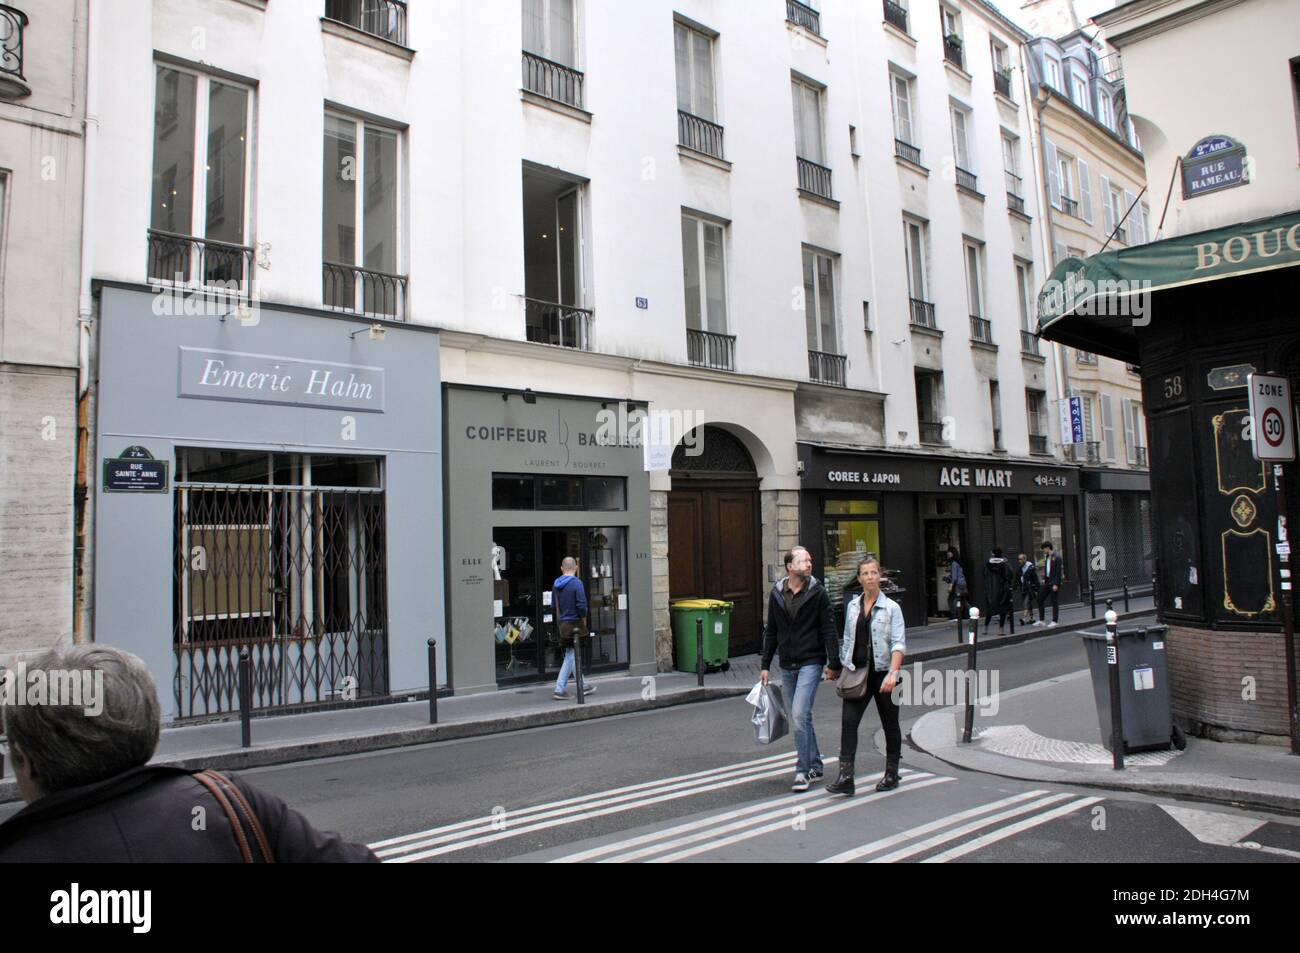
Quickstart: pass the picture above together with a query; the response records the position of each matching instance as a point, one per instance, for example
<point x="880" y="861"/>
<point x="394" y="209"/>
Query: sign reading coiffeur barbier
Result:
<point x="269" y="379"/>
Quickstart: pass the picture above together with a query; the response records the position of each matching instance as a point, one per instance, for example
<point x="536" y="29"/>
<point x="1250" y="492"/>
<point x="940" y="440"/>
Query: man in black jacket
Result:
<point x="801" y="627"/>
<point x="82" y="767"/>
<point x="998" y="578"/>
<point x="1053" y="574"/>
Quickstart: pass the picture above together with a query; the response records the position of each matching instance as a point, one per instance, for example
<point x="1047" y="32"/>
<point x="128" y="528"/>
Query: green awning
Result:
<point x="1097" y="302"/>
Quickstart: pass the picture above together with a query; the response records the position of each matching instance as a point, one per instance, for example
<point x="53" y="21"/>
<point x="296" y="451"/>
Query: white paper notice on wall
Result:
<point x="1143" y="678"/>
<point x="1191" y="575"/>
<point x="498" y="610"/>
<point x="657" y="441"/>
<point x="546" y="597"/>
<point x="547" y="617"/>
<point x="622" y="601"/>
<point x="1157" y="646"/>
<point x="1178" y="602"/>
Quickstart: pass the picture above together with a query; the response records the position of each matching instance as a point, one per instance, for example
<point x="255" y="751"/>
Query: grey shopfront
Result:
<point x="908" y="508"/>
<point x="268" y="480"/>
<point x="532" y="478"/>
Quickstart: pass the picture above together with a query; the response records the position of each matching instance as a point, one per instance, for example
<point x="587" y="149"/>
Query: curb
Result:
<point x="243" y="758"/>
<point x="998" y="641"/>
<point x="1206" y="788"/>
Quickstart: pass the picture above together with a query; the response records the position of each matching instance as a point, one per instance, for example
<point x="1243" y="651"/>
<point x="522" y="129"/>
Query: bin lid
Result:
<point x="702" y="604"/>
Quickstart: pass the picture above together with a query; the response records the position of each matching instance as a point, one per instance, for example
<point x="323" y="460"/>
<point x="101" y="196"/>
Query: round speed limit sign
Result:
<point x="1271" y="427"/>
<point x="1272" y="417"/>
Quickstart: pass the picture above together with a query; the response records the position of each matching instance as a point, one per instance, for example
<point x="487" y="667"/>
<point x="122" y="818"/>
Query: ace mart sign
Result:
<point x="1272" y="417"/>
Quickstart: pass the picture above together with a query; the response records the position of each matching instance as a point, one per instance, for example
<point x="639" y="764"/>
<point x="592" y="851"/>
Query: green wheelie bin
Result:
<point x="716" y="615"/>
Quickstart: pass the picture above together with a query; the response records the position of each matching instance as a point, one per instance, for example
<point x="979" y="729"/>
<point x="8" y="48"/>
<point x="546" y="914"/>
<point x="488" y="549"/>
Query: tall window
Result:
<point x="808" y="140"/>
<point x="1105" y="111"/>
<point x="1035" y="401"/>
<point x="704" y="268"/>
<point x="200" y="171"/>
<point x="995" y="411"/>
<point x="819" y="301"/>
<point x="914" y="249"/>
<point x="362" y="225"/>
<point x="961" y="139"/>
<point x="1001" y="62"/>
<point x="974" y="280"/>
<point x="1053" y="68"/>
<point x="695" y="92"/>
<point x="1010" y="156"/>
<point x="549" y="30"/>
<point x="1135" y="439"/>
<point x="951" y="22"/>
<point x="901" y="89"/>
<point x="1025" y="293"/>
<point x="1079" y="92"/>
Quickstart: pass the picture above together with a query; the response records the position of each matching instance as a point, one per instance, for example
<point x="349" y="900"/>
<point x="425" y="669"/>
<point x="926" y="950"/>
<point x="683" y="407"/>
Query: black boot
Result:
<point x="890" y="780"/>
<point x="844" y="783"/>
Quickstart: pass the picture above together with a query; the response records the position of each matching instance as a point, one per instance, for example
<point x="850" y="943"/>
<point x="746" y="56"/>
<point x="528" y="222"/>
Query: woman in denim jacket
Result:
<point x="873" y="637"/>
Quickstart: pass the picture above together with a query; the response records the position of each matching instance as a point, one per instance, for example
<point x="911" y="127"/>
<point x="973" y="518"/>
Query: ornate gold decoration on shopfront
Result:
<point x="1244" y="511"/>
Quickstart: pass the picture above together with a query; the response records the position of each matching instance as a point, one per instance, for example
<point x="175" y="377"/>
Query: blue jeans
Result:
<point x="566" y="670"/>
<point x="800" y="691"/>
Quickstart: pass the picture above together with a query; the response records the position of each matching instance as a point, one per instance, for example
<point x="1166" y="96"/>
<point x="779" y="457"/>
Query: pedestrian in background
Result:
<point x="801" y="628"/>
<point x="93" y="797"/>
<point x="1028" y="586"/>
<point x="957" y="586"/>
<point x="569" y="603"/>
<point x="873" y="640"/>
<point x="1053" y="575"/>
<point x="998" y="580"/>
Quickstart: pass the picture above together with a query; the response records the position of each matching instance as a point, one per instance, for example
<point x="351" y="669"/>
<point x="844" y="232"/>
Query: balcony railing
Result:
<point x="1138" y="456"/>
<point x="895" y="15"/>
<point x="706" y="349"/>
<point x="824" y="368"/>
<point x="981" y="329"/>
<point x="1121" y="234"/>
<point x="931" y="432"/>
<point x="1086" y="358"/>
<point x="202" y="263"/>
<point x="1069" y="206"/>
<point x="699" y="134"/>
<point x="1133" y="368"/>
<point x="966" y="180"/>
<point x="385" y="19"/>
<point x="952" y="50"/>
<point x="1015" y="201"/>
<point x="374" y="294"/>
<point x="804" y="16"/>
<point x="1029" y="344"/>
<point x="923" y="314"/>
<point x="1088" y="452"/>
<point x="905" y="150"/>
<point x="814" y="178"/>
<point x="552" y="80"/>
<point x="12" y="24"/>
<point x="1038" y="443"/>
<point x="559" y="324"/>
<point x="1002" y="82"/>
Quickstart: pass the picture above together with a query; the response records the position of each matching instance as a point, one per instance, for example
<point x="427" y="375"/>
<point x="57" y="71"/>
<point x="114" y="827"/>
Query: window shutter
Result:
<point x="1107" y="428"/>
<point x="1130" y="443"/>
<point x="1109" y="219"/>
<point x="1148" y="229"/>
<point x="1131" y="222"/>
<point x="1060" y="251"/>
<point x="1085" y="192"/>
<point x="1137" y="227"/>
<point x="1053" y="176"/>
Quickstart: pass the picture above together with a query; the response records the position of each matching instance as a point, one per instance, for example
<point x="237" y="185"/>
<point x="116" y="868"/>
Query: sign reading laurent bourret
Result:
<point x="269" y="379"/>
<point x="1214" y="163"/>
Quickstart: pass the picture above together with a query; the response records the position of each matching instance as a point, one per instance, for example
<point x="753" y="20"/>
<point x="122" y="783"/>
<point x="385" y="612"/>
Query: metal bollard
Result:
<point x="433" y="681"/>
<point x="577" y="665"/>
<point x="1092" y="598"/>
<point x="245" y="699"/>
<point x="1126" y="609"/>
<point x="972" y="680"/>
<point x="961" y="627"/>
<point x="699" y="652"/>
<point x="1116" y="714"/>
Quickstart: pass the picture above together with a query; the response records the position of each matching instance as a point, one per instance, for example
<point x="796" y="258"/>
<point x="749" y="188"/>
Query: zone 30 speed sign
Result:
<point x="1271" y="417"/>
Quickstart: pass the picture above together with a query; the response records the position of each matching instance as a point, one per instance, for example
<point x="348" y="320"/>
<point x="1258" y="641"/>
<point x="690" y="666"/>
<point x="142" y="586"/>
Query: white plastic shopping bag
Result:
<point x="769" y="718"/>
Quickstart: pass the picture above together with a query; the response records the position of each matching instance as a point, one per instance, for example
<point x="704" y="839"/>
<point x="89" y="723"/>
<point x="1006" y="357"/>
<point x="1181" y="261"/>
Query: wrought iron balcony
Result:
<point x="966" y="180"/>
<point x="183" y="260"/>
<point x="905" y="150"/>
<point x="923" y="314"/>
<point x="1015" y="201"/>
<point x="1085" y="357"/>
<point x="552" y="80"/>
<point x="1139" y="457"/>
<point x="1038" y="443"/>
<point x="824" y="368"/>
<point x="981" y="329"/>
<point x="952" y="51"/>
<point x="699" y="134"/>
<point x="385" y="19"/>
<point x="706" y="349"/>
<point x="895" y="15"/>
<point x="1088" y="452"/>
<point x="374" y="294"/>
<point x="1121" y="234"/>
<point x="814" y="178"/>
<point x="558" y="324"/>
<point x="803" y="15"/>
<point x="1002" y="82"/>
<point x="13" y="22"/>
<point x="1029" y="344"/>
<point x="932" y="432"/>
<point x="1069" y="206"/>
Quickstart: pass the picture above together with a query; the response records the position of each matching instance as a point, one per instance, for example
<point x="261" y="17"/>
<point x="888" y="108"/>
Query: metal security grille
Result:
<point x="297" y="575"/>
<point x="1120" y="523"/>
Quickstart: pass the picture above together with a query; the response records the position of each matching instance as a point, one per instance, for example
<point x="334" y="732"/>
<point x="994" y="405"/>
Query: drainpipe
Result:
<point x="83" y="499"/>
<point x="1045" y="200"/>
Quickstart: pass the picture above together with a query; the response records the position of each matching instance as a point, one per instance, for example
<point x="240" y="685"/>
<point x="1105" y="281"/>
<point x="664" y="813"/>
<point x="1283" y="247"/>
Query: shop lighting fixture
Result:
<point x="376" y="332"/>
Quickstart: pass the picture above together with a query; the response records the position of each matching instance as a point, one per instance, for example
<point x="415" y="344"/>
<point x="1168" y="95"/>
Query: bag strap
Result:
<point x="243" y="820"/>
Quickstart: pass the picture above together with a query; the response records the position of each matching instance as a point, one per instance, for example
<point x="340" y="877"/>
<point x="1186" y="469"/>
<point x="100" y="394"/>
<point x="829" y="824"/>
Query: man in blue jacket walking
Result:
<point x="570" y="608"/>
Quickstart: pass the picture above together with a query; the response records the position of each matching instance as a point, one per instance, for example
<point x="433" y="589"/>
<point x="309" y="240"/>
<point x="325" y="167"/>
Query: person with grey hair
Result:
<point x="82" y="767"/>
